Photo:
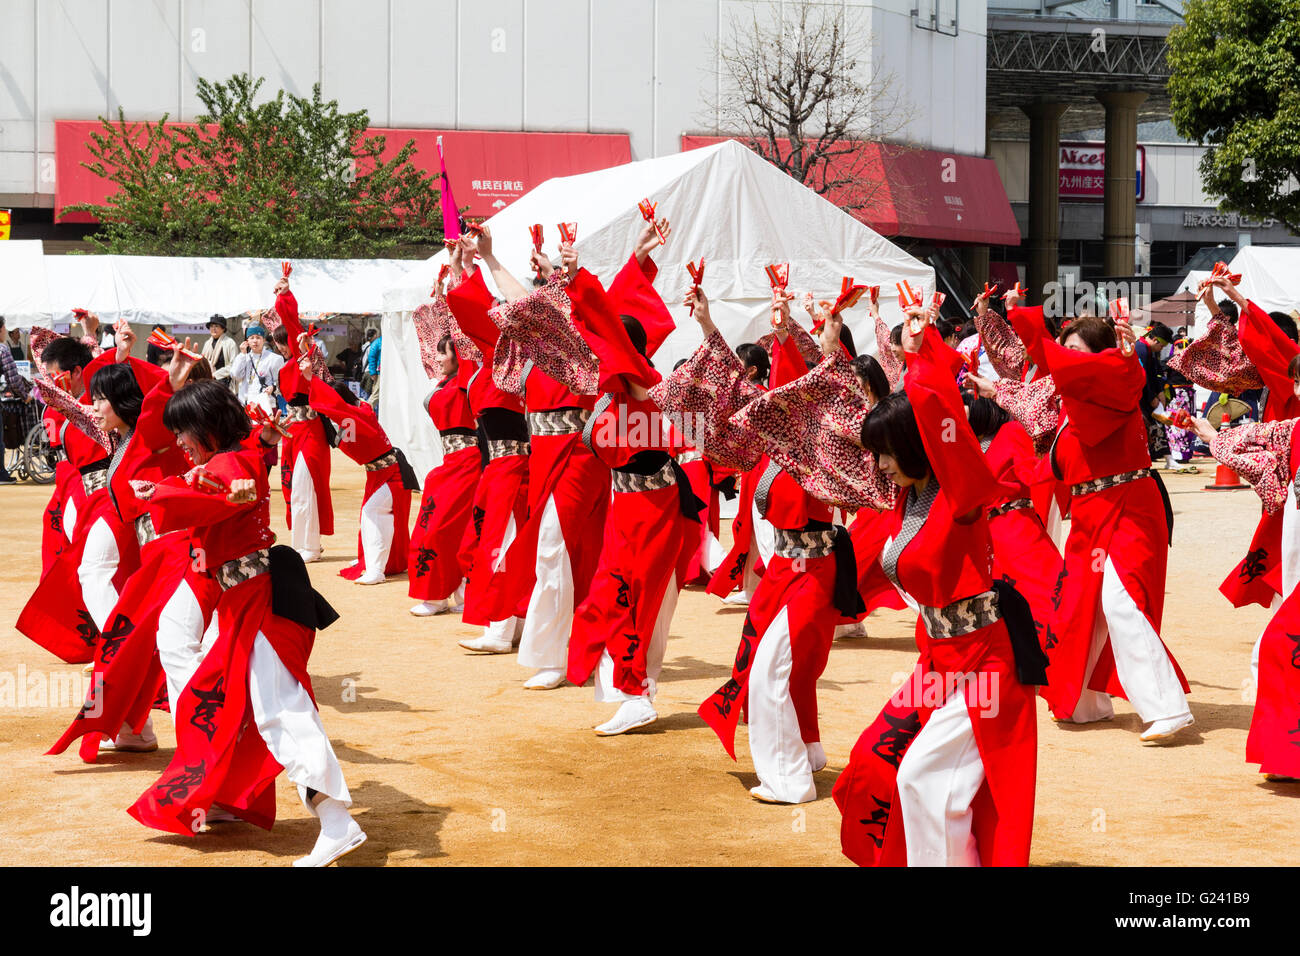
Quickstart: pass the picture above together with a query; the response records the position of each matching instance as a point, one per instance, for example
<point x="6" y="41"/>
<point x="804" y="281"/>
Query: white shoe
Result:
<point x="487" y="645"/>
<point x="763" y="795"/>
<point x="339" y="834"/>
<point x="308" y="557"/>
<point x="816" y="756"/>
<point x="638" y="712"/>
<point x="371" y="577"/>
<point x="739" y="598"/>
<point x="855" y="629"/>
<point x="145" y="742"/>
<point x="1162" y="729"/>
<point x="219" y="815"/>
<point x="429" y="608"/>
<point x="545" y="679"/>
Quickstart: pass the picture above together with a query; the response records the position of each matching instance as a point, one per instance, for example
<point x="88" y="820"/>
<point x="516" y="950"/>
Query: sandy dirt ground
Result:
<point x="450" y="761"/>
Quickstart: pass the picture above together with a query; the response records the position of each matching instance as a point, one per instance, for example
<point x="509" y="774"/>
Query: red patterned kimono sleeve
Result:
<point x="469" y="303"/>
<point x="432" y="321"/>
<point x="1007" y="354"/>
<point x="811" y="427"/>
<point x="701" y="397"/>
<point x="1217" y="361"/>
<point x="1031" y="329"/>
<point x="539" y="328"/>
<point x="77" y="414"/>
<point x="892" y="366"/>
<point x="1261" y="454"/>
<point x="956" y="457"/>
<point x="1035" y="405"/>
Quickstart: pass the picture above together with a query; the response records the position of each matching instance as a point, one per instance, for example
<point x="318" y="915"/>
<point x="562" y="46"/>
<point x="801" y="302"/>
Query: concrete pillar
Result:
<point x="1044" y="196"/>
<point x="1119" y="205"/>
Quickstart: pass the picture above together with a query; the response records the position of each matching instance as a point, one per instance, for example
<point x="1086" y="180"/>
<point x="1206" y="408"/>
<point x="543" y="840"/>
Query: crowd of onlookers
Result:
<point x="250" y="367"/>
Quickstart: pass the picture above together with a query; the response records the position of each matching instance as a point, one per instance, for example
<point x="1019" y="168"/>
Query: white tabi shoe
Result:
<point x="738" y="598"/>
<point x="638" y="712"/>
<point x="339" y="834"/>
<point x="429" y="608"/>
<point x="1162" y="729"/>
<point x="856" y="629"/>
<point x="371" y="577"/>
<point x="219" y="815"/>
<point x="308" y="557"/>
<point x="145" y="742"/>
<point x="487" y="645"/>
<point x="816" y="756"/>
<point x="545" y="680"/>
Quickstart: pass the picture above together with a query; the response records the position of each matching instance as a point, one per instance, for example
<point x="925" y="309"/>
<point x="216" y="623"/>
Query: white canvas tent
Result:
<point x="1270" y="277"/>
<point x="724" y="203"/>
<point x="42" y="290"/>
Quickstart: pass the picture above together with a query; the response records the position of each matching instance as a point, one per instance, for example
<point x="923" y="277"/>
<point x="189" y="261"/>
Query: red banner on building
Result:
<point x="917" y="193"/>
<point x="488" y="170"/>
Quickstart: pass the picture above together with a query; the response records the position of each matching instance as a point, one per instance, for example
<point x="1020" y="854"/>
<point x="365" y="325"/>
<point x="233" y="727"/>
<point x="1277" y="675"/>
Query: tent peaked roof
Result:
<point x="725" y="204"/>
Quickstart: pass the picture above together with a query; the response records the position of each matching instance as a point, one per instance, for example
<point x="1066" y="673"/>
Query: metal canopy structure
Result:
<point x="1070" y="60"/>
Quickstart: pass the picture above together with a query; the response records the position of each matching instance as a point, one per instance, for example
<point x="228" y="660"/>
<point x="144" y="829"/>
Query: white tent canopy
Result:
<point x="43" y="290"/>
<point x="1270" y="277"/>
<point x="725" y="204"/>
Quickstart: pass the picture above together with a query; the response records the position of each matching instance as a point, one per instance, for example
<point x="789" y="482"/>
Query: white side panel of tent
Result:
<point x="1270" y="276"/>
<point x="24" y="299"/>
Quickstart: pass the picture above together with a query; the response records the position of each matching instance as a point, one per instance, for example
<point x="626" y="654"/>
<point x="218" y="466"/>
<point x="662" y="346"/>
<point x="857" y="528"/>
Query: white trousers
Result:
<point x="304" y="510"/>
<point x="606" y="692"/>
<point x="938" y="779"/>
<point x="544" y="643"/>
<point x="1141" y="662"/>
<point x="99" y="563"/>
<point x="69" y="519"/>
<point x="377" y="529"/>
<point x="180" y="638"/>
<point x="291" y="726"/>
<point x="1254" y="651"/>
<point x="780" y="756"/>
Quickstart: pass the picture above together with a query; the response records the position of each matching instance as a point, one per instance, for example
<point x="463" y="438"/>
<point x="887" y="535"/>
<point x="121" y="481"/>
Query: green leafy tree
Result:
<point x="1235" y="86"/>
<point x="288" y="177"/>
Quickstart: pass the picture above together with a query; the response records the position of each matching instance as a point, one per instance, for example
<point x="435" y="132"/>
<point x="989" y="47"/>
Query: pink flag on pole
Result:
<point x="452" y="226"/>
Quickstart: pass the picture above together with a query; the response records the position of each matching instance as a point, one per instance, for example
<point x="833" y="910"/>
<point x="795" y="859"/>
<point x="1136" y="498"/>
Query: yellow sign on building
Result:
<point x="6" y="216"/>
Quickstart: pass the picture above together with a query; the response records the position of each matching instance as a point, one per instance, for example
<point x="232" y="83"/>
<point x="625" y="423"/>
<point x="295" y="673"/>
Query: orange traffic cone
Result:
<point x="1225" y="479"/>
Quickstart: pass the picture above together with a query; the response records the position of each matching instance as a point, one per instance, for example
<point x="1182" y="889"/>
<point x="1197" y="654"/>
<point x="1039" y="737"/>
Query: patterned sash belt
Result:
<point x="299" y="413"/>
<point x="454" y="443"/>
<point x="559" y="421"/>
<point x="95" y="478"/>
<point x="1020" y="504"/>
<point x="626" y="481"/>
<point x="1110" y="481"/>
<point x="961" y="617"/>
<point x="505" y="447"/>
<point x="386" y="460"/>
<point x="804" y="544"/>
<point x="690" y="455"/>
<point x="144" y="529"/>
<point x="243" y="569"/>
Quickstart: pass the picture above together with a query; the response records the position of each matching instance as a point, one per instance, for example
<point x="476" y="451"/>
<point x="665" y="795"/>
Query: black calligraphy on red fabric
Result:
<point x="746" y="648"/>
<point x="177" y="787"/>
<point x="427" y="509"/>
<point x="1056" y="591"/>
<point x="86" y="628"/>
<point x="286" y="479"/>
<point x="479" y="515"/>
<point x="209" y="706"/>
<point x="91" y="705"/>
<point x="725" y="697"/>
<point x="879" y="818"/>
<point x="1252" y="565"/>
<point x="622" y="599"/>
<point x="161" y="701"/>
<point x="1295" y="651"/>
<point x="424" y="560"/>
<point x="1047" y="638"/>
<point x="56" y="518"/>
<point x="738" y="568"/>
<point x="893" y="743"/>
<point x="114" y="637"/>
<point x="633" y="642"/>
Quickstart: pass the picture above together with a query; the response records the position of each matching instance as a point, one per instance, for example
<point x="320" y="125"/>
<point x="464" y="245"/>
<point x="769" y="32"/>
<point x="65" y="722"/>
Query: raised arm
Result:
<point x="954" y="452"/>
<point x="510" y="287"/>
